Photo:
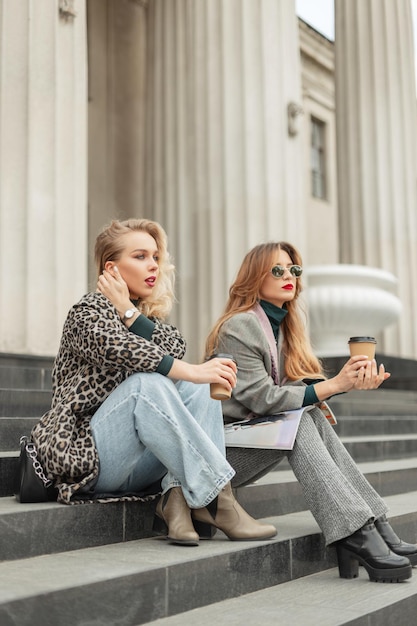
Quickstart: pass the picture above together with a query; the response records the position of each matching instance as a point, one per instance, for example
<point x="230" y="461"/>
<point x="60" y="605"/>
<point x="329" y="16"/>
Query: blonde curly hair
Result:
<point x="110" y="245"/>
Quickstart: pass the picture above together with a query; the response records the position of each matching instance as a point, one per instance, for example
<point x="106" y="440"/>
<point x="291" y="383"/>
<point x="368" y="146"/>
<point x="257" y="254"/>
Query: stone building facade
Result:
<point x="229" y="121"/>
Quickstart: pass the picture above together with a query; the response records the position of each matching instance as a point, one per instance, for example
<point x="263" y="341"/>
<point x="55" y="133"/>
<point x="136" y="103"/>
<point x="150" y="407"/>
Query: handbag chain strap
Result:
<point x="32" y="453"/>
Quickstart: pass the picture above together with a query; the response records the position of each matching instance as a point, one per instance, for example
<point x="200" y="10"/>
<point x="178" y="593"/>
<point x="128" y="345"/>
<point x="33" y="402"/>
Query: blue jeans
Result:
<point x="152" y="427"/>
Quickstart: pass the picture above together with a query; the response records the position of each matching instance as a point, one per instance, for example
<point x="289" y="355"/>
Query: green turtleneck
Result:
<point x="275" y="315"/>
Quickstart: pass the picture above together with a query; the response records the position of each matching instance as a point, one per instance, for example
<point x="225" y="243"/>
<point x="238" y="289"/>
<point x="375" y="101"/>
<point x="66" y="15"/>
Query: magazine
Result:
<point x="269" y="431"/>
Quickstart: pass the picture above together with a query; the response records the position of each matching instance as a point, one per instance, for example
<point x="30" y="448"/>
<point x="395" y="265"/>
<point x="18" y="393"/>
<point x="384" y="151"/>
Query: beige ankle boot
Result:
<point x="173" y="512"/>
<point x="226" y="514"/>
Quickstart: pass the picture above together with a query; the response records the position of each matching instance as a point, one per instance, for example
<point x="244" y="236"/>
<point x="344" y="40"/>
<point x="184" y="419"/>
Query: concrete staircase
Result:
<point x="100" y="564"/>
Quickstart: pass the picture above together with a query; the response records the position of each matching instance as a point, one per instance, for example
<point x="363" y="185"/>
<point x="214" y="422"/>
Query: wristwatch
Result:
<point x="129" y="314"/>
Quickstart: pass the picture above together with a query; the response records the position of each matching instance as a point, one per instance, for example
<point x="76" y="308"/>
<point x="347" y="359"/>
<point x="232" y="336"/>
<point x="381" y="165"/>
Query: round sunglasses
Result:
<point x="279" y="270"/>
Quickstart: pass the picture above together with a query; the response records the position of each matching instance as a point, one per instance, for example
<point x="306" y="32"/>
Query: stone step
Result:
<point x="279" y="492"/>
<point x="318" y="599"/>
<point x="12" y="428"/>
<point x="403" y="371"/>
<point x="18" y="371"/>
<point x="25" y="377"/>
<point x="29" y="530"/>
<point x="8" y="469"/>
<point x="140" y="581"/>
<point x="35" y="529"/>
<point x="381" y="447"/>
<point x="35" y="374"/>
<point x="24" y="402"/>
<point x="364" y="425"/>
<point x="26" y="360"/>
<point x="362" y="449"/>
<point x="377" y="402"/>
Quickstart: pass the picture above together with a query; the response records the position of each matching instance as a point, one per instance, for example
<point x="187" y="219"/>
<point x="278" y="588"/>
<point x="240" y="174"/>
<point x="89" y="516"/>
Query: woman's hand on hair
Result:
<point x="113" y="286"/>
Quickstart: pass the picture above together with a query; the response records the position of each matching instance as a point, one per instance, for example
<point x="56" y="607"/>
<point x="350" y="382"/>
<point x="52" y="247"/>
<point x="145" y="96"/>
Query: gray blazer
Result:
<point x="255" y="392"/>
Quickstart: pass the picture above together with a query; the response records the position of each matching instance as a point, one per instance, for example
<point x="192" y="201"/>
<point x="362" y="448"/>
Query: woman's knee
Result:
<point x="135" y="386"/>
<point x="140" y="380"/>
<point x="192" y="391"/>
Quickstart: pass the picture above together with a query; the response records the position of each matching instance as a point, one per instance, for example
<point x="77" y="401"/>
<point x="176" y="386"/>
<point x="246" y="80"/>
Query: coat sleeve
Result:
<point x="168" y="338"/>
<point x="255" y="391"/>
<point x="94" y="332"/>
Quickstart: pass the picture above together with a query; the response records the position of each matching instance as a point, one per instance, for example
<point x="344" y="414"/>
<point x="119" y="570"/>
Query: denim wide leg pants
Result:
<point x="151" y="427"/>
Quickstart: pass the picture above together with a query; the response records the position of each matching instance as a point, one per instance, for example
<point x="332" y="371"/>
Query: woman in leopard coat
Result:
<point x="127" y="411"/>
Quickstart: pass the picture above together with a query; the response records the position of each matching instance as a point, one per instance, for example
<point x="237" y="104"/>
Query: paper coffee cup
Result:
<point x="217" y="390"/>
<point x="362" y="345"/>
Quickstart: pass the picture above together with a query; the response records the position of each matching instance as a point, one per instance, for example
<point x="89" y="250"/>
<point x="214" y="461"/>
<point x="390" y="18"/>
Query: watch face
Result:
<point x="130" y="313"/>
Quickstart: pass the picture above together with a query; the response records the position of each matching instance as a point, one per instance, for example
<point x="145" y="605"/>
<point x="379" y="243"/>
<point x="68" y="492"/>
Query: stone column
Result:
<point x="377" y="149"/>
<point x="224" y="94"/>
<point x="43" y="209"/>
<point x="116" y="112"/>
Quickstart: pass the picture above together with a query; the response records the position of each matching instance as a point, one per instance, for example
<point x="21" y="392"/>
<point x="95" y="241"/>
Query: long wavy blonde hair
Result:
<point x="300" y="362"/>
<point x="110" y="245"/>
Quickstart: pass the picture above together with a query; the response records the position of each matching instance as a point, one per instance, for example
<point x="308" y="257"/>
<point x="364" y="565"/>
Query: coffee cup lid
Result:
<point x="362" y="340"/>
<point x="222" y="355"/>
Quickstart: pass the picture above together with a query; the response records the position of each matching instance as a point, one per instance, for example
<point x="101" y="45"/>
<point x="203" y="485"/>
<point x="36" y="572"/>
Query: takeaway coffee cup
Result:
<point x="362" y="345"/>
<point x="217" y="391"/>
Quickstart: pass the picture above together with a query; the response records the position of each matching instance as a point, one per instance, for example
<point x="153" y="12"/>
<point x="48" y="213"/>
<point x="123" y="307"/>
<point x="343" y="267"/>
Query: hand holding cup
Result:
<point x="217" y="390"/>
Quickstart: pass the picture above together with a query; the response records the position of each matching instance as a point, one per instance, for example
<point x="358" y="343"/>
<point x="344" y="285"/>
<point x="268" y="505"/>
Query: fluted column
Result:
<point x="43" y="170"/>
<point x="116" y="112"/>
<point x="377" y="149"/>
<point x="222" y="77"/>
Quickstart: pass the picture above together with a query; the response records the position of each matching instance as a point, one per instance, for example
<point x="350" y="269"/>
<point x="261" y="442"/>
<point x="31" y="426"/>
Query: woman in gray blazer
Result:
<point x="263" y="328"/>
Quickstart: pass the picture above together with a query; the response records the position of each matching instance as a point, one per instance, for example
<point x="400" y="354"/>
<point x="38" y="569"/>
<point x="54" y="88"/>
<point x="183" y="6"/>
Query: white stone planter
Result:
<point x="348" y="300"/>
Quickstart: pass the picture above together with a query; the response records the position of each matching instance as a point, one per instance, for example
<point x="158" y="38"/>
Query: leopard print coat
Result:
<point x="97" y="353"/>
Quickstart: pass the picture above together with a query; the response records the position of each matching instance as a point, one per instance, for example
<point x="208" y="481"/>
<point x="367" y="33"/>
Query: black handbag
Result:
<point x="32" y="485"/>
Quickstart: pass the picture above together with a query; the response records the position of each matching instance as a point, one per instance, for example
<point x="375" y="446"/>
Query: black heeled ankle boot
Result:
<point x="394" y="543"/>
<point x="366" y="546"/>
